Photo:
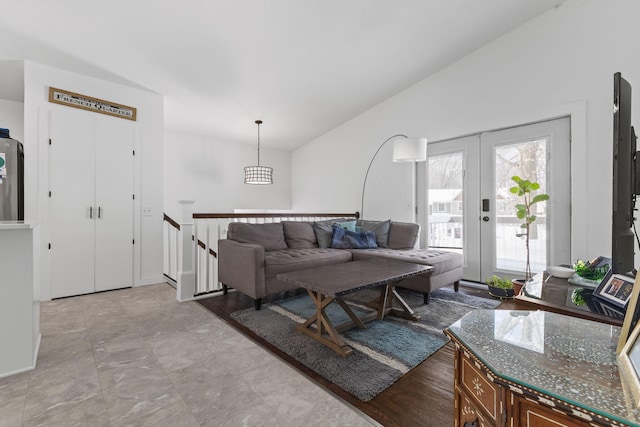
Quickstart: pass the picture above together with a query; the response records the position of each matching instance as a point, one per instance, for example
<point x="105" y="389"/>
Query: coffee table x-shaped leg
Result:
<point x="320" y="328"/>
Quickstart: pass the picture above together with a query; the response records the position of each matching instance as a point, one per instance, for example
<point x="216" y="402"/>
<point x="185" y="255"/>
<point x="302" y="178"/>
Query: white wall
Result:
<point x="12" y="118"/>
<point x="560" y="63"/>
<point x="211" y="172"/>
<point x="148" y="179"/>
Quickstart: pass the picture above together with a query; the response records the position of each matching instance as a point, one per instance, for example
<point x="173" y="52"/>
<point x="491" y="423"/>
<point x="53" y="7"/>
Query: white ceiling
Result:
<point x="302" y="66"/>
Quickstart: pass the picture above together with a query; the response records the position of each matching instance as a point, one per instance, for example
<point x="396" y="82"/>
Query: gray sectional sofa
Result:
<point x="252" y="255"/>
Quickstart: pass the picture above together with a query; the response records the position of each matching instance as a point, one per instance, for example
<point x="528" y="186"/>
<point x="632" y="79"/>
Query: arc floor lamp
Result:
<point x="405" y="149"/>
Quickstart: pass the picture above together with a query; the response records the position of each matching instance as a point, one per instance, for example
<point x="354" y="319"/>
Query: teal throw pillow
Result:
<point x="347" y="225"/>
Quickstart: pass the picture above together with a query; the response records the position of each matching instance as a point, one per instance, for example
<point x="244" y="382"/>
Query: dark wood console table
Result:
<point x="553" y="294"/>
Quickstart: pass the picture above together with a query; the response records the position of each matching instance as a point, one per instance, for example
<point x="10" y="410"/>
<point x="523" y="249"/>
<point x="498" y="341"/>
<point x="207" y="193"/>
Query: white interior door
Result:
<point x="114" y="204"/>
<point x="470" y="209"/>
<point x="71" y="202"/>
<point x="91" y="203"/>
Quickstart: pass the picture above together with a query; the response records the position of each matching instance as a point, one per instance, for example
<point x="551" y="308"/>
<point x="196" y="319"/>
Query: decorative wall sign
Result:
<point x="96" y="105"/>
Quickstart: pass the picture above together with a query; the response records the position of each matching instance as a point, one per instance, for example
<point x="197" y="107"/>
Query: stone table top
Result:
<point x="340" y="279"/>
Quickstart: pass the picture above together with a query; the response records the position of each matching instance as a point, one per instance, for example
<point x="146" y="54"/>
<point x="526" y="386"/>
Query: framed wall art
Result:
<point x="75" y="100"/>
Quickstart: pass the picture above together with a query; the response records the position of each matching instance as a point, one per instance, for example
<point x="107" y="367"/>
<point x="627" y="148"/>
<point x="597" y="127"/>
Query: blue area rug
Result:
<point x="382" y="353"/>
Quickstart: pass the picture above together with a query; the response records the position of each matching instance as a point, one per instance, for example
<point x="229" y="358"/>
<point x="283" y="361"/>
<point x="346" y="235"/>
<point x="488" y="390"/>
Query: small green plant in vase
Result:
<point x="525" y="189"/>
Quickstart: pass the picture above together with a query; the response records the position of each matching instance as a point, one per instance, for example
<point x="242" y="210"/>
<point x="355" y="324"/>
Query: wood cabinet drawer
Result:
<point x="533" y="414"/>
<point x="469" y="414"/>
<point x="479" y="387"/>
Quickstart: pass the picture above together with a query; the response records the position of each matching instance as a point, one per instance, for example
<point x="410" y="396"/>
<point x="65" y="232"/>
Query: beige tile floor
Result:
<point x="137" y="357"/>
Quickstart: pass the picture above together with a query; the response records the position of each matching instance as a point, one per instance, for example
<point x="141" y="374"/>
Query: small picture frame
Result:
<point x="615" y="289"/>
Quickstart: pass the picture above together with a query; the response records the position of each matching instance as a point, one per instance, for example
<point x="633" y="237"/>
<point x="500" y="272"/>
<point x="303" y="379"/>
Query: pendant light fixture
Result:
<point x="259" y="175"/>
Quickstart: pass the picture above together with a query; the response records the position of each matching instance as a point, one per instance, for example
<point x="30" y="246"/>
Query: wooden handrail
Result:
<point x="272" y="215"/>
<point x="171" y="221"/>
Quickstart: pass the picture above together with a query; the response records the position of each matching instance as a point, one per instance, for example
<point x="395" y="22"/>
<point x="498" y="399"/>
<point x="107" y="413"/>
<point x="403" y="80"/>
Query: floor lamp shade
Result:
<point x="405" y="149"/>
<point x="410" y="150"/>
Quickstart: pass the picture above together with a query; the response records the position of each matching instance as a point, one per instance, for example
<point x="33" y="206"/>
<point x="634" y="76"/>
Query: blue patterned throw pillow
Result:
<point x="345" y="239"/>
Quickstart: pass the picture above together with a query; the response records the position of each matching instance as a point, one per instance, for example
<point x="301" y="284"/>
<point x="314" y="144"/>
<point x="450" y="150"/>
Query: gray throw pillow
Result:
<point x="324" y="231"/>
<point x="403" y="235"/>
<point x="381" y="230"/>
<point x="270" y="236"/>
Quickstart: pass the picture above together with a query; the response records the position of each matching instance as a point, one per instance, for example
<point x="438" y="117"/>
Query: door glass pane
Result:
<point x="528" y="161"/>
<point x="445" y="201"/>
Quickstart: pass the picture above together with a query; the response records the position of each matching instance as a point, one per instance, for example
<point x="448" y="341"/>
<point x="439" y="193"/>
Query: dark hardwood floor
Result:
<point x="422" y="397"/>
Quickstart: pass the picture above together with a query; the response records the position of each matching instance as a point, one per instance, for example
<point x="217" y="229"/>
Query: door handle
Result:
<point x="90" y="212"/>
<point x="485" y="218"/>
<point x="485" y="205"/>
<point x="99" y="210"/>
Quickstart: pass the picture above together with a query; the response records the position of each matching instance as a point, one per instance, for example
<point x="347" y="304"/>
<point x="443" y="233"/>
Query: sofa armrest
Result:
<point x="241" y="266"/>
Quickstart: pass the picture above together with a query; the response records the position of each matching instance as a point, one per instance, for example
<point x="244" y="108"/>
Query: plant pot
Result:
<point x="501" y="292"/>
<point x="517" y="285"/>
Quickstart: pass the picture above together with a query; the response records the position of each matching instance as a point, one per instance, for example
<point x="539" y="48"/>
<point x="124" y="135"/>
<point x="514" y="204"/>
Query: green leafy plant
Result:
<point x="524" y="188"/>
<point x="577" y="297"/>
<point x="586" y="271"/>
<point x="499" y="282"/>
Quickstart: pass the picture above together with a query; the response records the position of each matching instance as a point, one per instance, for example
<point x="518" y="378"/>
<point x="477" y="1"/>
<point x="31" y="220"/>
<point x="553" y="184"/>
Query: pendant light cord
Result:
<point x="258" y="122"/>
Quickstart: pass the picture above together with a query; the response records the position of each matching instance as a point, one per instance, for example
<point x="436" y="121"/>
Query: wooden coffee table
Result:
<point x="330" y="283"/>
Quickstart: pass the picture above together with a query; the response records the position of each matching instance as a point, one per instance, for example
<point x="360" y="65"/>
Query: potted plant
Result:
<point x="500" y="287"/>
<point x="524" y="188"/>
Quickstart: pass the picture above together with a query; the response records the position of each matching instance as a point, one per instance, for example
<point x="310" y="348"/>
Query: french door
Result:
<point x="471" y="210"/>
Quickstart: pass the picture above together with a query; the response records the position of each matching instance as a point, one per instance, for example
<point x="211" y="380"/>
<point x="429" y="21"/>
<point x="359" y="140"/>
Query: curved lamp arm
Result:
<point x="364" y="185"/>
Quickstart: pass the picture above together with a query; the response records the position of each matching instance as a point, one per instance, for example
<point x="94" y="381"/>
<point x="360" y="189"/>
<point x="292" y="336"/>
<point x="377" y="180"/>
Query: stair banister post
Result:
<point x="186" y="279"/>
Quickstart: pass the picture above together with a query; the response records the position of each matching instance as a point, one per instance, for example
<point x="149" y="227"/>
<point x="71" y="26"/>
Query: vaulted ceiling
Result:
<point x="302" y="66"/>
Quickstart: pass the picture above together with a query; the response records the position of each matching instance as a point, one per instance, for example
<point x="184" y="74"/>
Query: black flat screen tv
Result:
<point x="625" y="181"/>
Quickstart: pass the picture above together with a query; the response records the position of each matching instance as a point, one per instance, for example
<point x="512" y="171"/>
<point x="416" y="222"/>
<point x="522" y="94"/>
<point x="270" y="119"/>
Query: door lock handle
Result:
<point x="485" y="218"/>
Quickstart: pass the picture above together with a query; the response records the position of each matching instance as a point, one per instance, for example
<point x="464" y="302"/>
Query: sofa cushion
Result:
<point x="284" y="261"/>
<point x="270" y="236"/>
<point x="345" y="239"/>
<point x="403" y="235"/>
<point x="299" y="234"/>
<point x="441" y="261"/>
<point x="324" y="231"/>
<point x="381" y="230"/>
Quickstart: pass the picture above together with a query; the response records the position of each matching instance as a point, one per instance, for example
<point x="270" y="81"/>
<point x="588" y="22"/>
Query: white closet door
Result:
<point x="114" y="202"/>
<point x="72" y="186"/>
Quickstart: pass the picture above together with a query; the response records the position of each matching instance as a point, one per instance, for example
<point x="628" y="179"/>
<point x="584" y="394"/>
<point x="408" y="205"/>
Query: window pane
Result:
<point x="445" y="201"/>
<point x="528" y="161"/>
